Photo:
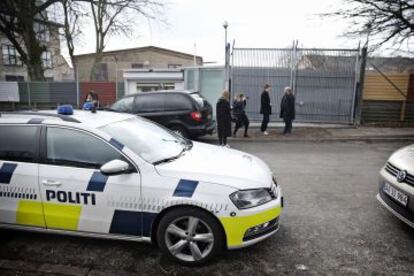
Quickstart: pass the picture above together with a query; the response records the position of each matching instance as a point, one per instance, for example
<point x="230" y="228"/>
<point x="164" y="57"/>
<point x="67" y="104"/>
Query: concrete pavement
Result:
<point x="324" y="133"/>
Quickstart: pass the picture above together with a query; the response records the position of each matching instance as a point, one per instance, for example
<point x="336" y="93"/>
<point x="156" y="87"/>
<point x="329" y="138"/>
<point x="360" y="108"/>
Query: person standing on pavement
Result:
<point x="91" y="101"/>
<point x="239" y="113"/>
<point x="223" y="116"/>
<point x="287" y="110"/>
<point x="265" y="108"/>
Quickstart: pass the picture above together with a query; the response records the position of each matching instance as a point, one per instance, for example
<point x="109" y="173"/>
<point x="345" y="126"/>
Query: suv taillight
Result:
<point x="196" y="116"/>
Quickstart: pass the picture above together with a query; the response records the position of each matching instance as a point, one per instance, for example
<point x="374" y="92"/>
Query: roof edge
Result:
<point x="141" y="48"/>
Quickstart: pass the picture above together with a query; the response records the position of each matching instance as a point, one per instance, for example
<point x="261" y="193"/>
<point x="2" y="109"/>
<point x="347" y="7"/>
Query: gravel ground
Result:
<point x="332" y="225"/>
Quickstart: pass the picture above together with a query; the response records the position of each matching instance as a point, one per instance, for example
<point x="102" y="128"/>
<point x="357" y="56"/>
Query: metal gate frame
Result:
<point x="339" y="69"/>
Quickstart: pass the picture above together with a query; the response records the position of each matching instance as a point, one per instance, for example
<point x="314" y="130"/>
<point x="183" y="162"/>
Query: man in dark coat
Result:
<point x="223" y="116"/>
<point x="239" y="113"/>
<point x="265" y="108"/>
<point x="287" y="110"/>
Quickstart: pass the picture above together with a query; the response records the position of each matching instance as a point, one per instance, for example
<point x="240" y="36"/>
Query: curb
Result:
<point x="369" y="139"/>
<point x="23" y="267"/>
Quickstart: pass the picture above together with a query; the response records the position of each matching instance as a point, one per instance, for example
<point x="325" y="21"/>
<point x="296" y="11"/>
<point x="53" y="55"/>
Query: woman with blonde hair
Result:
<point x="223" y="117"/>
<point x="287" y="110"/>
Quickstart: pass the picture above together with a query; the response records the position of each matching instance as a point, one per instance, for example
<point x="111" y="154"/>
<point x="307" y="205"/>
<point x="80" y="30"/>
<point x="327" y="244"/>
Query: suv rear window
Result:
<point x="150" y="102"/>
<point x="175" y="101"/>
<point x="18" y="143"/>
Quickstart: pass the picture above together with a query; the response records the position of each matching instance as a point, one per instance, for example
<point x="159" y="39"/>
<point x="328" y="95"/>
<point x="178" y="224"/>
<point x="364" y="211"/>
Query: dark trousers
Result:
<point x="242" y="120"/>
<point x="265" y="122"/>
<point x="222" y="139"/>
<point x="288" y="126"/>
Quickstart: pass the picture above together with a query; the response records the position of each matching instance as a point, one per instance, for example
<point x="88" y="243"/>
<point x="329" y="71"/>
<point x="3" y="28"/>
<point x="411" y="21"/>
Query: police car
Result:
<point x="119" y="176"/>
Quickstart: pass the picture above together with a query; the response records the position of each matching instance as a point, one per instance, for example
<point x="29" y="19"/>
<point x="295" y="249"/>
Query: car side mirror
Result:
<point x="115" y="167"/>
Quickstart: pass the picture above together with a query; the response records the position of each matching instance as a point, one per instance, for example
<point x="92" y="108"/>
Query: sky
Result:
<point x="196" y="26"/>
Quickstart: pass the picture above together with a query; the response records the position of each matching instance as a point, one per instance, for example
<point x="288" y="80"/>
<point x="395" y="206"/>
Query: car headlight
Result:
<point x="250" y="198"/>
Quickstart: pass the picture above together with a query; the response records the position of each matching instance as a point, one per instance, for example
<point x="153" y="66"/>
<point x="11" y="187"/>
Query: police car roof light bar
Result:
<point x="62" y="117"/>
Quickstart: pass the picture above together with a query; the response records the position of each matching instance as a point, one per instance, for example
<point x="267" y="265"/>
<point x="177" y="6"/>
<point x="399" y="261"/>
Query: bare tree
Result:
<point x="381" y="21"/>
<point x="17" y="23"/>
<point x="73" y="11"/>
<point x="114" y="17"/>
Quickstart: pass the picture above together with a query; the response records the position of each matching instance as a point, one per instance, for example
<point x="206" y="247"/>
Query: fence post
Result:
<point x="29" y="98"/>
<point x="77" y="86"/>
<point x="356" y="80"/>
<point x="359" y="102"/>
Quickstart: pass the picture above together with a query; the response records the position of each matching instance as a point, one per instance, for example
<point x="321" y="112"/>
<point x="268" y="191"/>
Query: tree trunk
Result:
<point x="33" y="47"/>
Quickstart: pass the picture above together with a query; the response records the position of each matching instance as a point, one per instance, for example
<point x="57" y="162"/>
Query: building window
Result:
<point x="137" y="65"/>
<point x="14" y="78"/>
<point x="10" y="55"/>
<point x="42" y="32"/>
<point x="174" y="65"/>
<point x="46" y="59"/>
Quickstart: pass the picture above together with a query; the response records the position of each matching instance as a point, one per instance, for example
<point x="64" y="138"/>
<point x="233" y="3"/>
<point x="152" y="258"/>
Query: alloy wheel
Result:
<point x="189" y="238"/>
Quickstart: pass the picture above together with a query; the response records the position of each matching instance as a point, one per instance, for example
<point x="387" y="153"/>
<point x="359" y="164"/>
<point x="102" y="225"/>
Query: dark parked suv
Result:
<point x="184" y="112"/>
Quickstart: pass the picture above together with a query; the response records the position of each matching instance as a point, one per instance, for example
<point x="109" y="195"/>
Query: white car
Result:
<point x="118" y="176"/>
<point x="396" y="186"/>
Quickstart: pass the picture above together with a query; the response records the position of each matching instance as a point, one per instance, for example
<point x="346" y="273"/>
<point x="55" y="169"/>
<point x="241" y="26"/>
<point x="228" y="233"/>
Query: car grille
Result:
<point x="393" y="170"/>
<point x="263" y="230"/>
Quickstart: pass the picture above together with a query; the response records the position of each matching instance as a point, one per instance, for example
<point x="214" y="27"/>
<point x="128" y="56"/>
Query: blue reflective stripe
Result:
<point x="185" y="188"/>
<point x="97" y="182"/>
<point x="132" y="223"/>
<point x="116" y="144"/>
<point x="36" y="121"/>
<point x="6" y="172"/>
<point x="147" y="220"/>
<point x="126" y="222"/>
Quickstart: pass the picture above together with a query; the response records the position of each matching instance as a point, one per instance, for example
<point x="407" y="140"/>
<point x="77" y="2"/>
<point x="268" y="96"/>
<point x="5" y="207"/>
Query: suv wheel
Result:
<point x="180" y="131"/>
<point x="190" y="236"/>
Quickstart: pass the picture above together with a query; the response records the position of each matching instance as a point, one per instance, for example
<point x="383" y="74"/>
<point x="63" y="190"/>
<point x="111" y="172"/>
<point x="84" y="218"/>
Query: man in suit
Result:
<point x="265" y="108"/>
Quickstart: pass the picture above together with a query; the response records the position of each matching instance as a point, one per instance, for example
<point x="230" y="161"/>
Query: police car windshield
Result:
<point x="150" y="141"/>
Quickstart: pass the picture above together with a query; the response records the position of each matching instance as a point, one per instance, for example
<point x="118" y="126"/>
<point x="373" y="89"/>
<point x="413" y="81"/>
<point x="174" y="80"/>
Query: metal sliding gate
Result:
<point x="323" y="80"/>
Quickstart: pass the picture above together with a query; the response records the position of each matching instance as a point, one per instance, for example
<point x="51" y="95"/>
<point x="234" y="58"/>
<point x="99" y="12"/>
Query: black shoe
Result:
<point x="246" y="136"/>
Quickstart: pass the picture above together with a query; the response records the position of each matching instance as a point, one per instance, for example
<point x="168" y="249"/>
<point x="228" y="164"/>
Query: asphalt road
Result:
<point x="332" y="224"/>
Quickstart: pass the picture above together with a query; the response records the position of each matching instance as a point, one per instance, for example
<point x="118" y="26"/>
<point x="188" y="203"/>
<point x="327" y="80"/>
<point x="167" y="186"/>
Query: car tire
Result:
<point x="190" y="236"/>
<point x="6" y="235"/>
<point x="180" y="131"/>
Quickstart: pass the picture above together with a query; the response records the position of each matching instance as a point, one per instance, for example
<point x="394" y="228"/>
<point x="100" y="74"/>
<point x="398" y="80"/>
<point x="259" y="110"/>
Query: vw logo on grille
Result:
<point x="401" y="176"/>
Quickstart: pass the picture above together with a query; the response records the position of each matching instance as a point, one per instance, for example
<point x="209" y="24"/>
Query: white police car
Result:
<point x="118" y="176"/>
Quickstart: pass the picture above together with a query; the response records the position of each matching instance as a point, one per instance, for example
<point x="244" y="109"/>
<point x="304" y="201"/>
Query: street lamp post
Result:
<point x="226" y="58"/>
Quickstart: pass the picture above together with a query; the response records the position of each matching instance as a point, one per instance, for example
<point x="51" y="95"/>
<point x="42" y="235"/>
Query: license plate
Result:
<point x="395" y="194"/>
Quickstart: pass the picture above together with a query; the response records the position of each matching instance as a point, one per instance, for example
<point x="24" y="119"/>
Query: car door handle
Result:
<point x="51" y="183"/>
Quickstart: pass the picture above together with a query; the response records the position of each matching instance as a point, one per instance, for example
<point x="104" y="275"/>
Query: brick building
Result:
<point x="56" y="67"/>
<point x="133" y="58"/>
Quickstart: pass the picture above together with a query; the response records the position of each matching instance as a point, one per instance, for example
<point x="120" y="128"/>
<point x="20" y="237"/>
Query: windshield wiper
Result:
<point x="169" y="159"/>
<point x="166" y="160"/>
<point x="171" y="140"/>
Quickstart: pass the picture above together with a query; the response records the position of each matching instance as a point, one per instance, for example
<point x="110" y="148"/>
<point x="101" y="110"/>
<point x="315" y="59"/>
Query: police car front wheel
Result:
<point x="190" y="236"/>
